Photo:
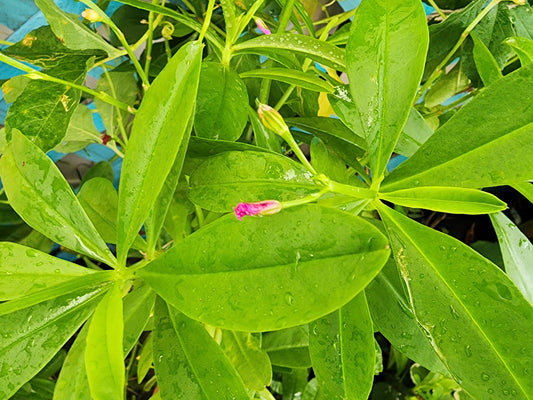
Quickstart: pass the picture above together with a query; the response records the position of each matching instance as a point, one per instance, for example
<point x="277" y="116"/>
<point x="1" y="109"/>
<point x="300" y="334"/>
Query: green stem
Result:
<point x="352" y="191"/>
<point x="6" y="43"/>
<point x="285" y="16"/>
<point x="120" y="121"/>
<point x="120" y="35"/>
<point x="35" y="74"/>
<point x="437" y="8"/>
<point x="440" y="68"/>
<point x="304" y="200"/>
<point x="149" y="40"/>
<point x="298" y="152"/>
<point x="207" y="20"/>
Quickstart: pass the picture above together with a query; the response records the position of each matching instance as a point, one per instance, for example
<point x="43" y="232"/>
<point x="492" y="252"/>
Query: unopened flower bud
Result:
<point x="273" y="120"/>
<point x="91" y="15"/>
<point x="262" y="26"/>
<point x="267" y="207"/>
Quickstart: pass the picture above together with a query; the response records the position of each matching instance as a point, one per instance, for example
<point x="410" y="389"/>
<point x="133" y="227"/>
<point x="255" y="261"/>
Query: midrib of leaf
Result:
<point x="267" y="182"/>
<point x="341" y="345"/>
<point x="88" y="243"/>
<point x="493" y="142"/>
<point x="430" y="263"/>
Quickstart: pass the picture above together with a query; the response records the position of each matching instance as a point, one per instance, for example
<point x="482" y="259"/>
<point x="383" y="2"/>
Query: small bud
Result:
<point x="262" y="26"/>
<point x="105" y="138"/>
<point x="272" y="120"/>
<point x="91" y="15"/>
<point x="267" y="207"/>
<point x="167" y="31"/>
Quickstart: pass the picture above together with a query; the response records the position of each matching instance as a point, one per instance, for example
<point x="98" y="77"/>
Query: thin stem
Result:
<point x="207" y="20"/>
<point x="119" y="115"/>
<point x="352" y="191"/>
<point x="437" y="8"/>
<point x="149" y="40"/>
<point x="6" y="43"/>
<point x="304" y="200"/>
<point x="285" y="16"/>
<point x="35" y="74"/>
<point x="440" y="68"/>
<point x="298" y="152"/>
<point x="199" y="215"/>
<point x="120" y="35"/>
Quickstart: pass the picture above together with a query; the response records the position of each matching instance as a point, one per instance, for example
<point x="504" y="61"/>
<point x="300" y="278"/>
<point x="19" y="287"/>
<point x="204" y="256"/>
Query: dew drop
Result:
<point x="468" y="351"/>
<point x="454" y="313"/>
<point x="485" y="377"/>
<point x="289" y="299"/>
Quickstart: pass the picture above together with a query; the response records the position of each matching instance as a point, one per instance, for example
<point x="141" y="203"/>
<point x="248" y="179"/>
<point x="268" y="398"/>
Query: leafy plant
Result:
<point x="235" y="261"/>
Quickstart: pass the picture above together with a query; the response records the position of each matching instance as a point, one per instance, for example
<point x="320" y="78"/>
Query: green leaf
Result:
<point x="102" y="169"/>
<point x="393" y="317"/>
<point x="525" y="189"/>
<point x="523" y="47"/>
<point x="99" y="199"/>
<point x="251" y="362"/>
<point x="446" y="199"/>
<point x="304" y="80"/>
<point x="263" y="137"/>
<point x="384" y="32"/>
<point x="343" y="351"/>
<point x="473" y="315"/>
<point x="72" y="383"/>
<point x="323" y="52"/>
<point x="517" y="253"/>
<point x="30" y="337"/>
<point x="288" y="347"/>
<point x="52" y="104"/>
<point x="80" y="132"/>
<point x="327" y="162"/>
<point x="71" y="31"/>
<point x="486" y="65"/>
<point x="138" y="305"/>
<point x="164" y="112"/>
<point x="188" y="363"/>
<point x="497" y="149"/>
<point x="222" y="103"/>
<point x="226" y="179"/>
<point x="145" y="358"/>
<point x="43" y="198"/>
<point x="215" y="274"/>
<point x="24" y="271"/>
<point x="104" y="359"/>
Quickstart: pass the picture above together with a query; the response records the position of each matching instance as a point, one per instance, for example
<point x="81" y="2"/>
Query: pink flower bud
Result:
<point x="266" y="207"/>
<point x="262" y="26"/>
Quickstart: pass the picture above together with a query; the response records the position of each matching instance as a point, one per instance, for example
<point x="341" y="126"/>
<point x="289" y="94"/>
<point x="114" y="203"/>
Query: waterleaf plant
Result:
<point x="263" y="242"/>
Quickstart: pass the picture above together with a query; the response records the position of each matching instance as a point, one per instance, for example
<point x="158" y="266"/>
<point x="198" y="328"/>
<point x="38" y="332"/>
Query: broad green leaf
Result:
<point x="263" y="137"/>
<point x="52" y="104"/>
<point x="122" y="86"/>
<point x="480" y="145"/>
<point x="343" y="351"/>
<point x="393" y="317"/>
<point x="525" y="189"/>
<point x="138" y="305"/>
<point x="447" y="86"/>
<point x="102" y="169"/>
<point x="104" y="359"/>
<point x="72" y="383"/>
<point x="294" y="382"/>
<point x="415" y="132"/>
<point x="251" y="362"/>
<point x="476" y="319"/>
<point x="288" y="347"/>
<point x="226" y="179"/>
<point x="523" y="20"/>
<point x="24" y="270"/>
<point x="37" y="241"/>
<point x="486" y="65"/>
<point x="189" y="364"/>
<point x="14" y="87"/>
<point x="99" y="199"/>
<point x="29" y="338"/>
<point x="145" y="358"/>
<point x="215" y="274"/>
<point x="317" y="50"/>
<point x="446" y="199"/>
<point x="164" y="113"/>
<point x="221" y="104"/>
<point x="327" y="162"/>
<point x="71" y="31"/>
<point x="80" y="132"/>
<point x="304" y="80"/>
<point x="523" y="47"/>
<point x="43" y="198"/>
<point x="517" y="253"/>
<point x="383" y="32"/>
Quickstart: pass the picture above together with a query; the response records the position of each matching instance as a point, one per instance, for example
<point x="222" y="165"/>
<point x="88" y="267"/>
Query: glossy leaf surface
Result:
<point x="189" y="364"/>
<point x="388" y="39"/>
<point x="288" y="347"/>
<point x="486" y="65"/>
<point x="473" y="315"/>
<point x="104" y="360"/>
<point x="222" y="103"/>
<point x="24" y="270"/>
<point x="29" y="338"/>
<point x="228" y="266"/>
<point x="446" y="199"/>
<point x="294" y="77"/>
<point x="317" y="50"/>
<point x="80" y="132"/>
<point x="523" y="48"/>
<point x="138" y="305"/>
<point x="343" y="351"/>
<point x="517" y="253"/>
<point x="157" y="132"/>
<point x="250" y="361"/>
<point x="463" y="152"/>
<point x="226" y="179"/>
<point x="43" y="198"/>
